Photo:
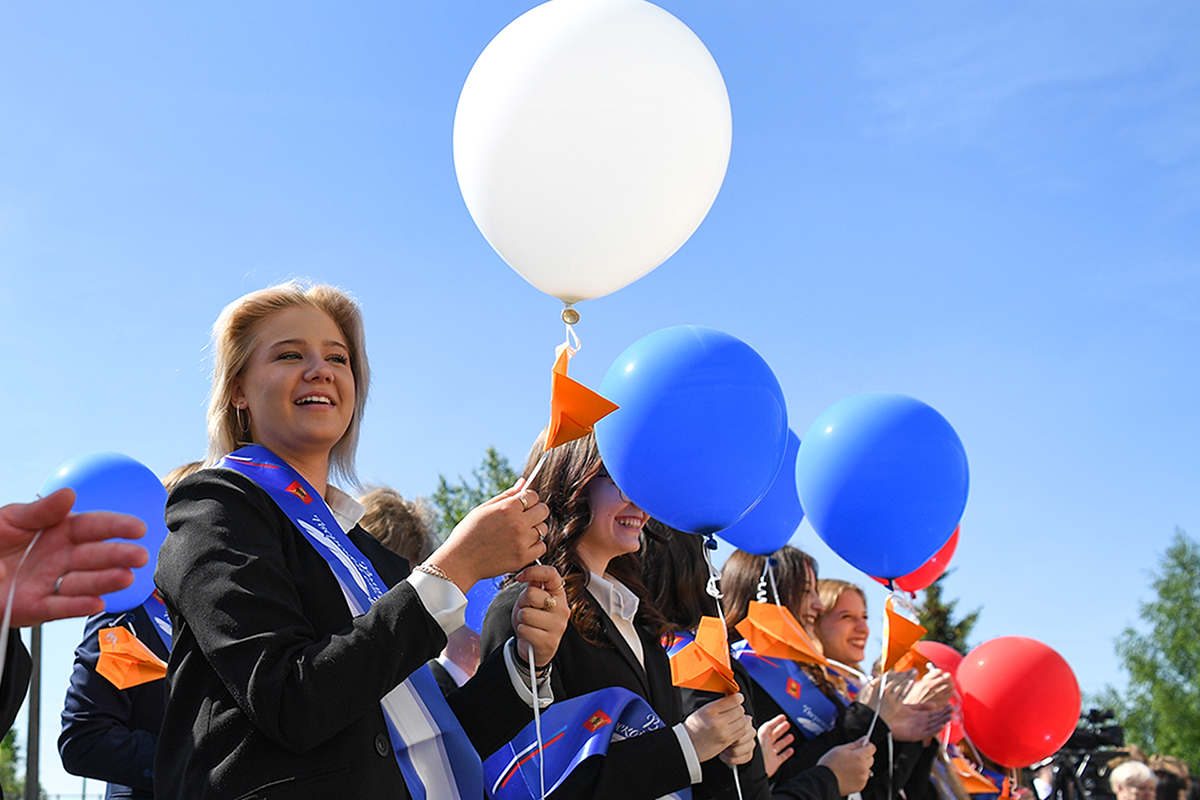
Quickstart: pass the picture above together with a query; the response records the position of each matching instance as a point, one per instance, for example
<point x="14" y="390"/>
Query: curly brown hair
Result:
<point x="561" y="484"/>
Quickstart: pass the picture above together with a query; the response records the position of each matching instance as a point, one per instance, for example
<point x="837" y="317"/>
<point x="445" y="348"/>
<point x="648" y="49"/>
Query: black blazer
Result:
<point x="273" y="687"/>
<point x="648" y="766"/>
<point x="108" y="733"/>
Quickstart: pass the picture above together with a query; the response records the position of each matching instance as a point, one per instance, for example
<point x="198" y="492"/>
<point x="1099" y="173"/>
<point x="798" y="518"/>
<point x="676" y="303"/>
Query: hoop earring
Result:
<point x="241" y="425"/>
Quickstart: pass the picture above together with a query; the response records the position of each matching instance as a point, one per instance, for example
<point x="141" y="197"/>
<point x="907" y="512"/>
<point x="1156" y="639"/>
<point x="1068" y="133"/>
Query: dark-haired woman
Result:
<point x="825" y="720"/>
<point x="676" y="574"/>
<point x="614" y="636"/>
<point x="298" y="638"/>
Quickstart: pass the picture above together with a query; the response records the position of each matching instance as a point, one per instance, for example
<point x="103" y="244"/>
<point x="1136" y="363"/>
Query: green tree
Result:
<point x="937" y="617"/>
<point x="453" y="501"/>
<point x="1160" y="710"/>
<point x="10" y="752"/>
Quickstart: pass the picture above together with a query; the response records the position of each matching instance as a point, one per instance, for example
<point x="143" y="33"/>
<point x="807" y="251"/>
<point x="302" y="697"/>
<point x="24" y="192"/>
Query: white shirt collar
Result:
<point x="614" y="597"/>
<point x="346" y="510"/>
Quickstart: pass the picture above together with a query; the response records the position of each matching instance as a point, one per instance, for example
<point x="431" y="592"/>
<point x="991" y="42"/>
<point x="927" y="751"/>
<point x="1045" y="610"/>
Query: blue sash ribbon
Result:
<point x="159" y="619"/>
<point x="435" y="756"/>
<point x="804" y="703"/>
<point x="572" y="730"/>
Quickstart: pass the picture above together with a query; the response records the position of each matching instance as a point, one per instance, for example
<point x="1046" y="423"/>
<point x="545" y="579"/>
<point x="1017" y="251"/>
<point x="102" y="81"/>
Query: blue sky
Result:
<point x="993" y="207"/>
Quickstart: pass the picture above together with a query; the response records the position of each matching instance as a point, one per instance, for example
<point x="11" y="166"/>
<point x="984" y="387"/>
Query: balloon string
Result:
<point x="714" y="591"/>
<point x="8" y="606"/>
<point x="879" y="705"/>
<point x="537" y="468"/>
<point x="537" y="720"/>
<point x="572" y="336"/>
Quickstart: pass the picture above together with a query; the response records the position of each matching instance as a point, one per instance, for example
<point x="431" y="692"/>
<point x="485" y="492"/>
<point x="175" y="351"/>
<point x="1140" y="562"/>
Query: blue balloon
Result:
<point x="479" y="597"/>
<point x="883" y="480"/>
<point x="115" y="482"/>
<point x="701" y="429"/>
<point x="770" y="524"/>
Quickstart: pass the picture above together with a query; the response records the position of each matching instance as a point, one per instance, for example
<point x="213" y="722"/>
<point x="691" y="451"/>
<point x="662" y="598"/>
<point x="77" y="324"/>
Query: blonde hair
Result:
<point x="831" y="590"/>
<point x="236" y="332"/>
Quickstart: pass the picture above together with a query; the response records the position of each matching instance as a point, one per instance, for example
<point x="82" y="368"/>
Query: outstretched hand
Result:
<point x="776" y="738"/>
<point x="71" y="565"/>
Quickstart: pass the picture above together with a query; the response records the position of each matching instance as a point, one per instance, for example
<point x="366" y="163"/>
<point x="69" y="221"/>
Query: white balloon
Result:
<point x="591" y="139"/>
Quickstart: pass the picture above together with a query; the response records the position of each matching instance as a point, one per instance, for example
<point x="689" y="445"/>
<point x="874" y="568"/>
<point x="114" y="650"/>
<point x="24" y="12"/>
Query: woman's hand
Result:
<point x="914" y="723"/>
<point x="936" y="686"/>
<point x="741" y="751"/>
<point x="541" y="613"/>
<point x="776" y="738"/>
<point x="500" y="536"/>
<point x="717" y="725"/>
<point x="890" y="700"/>
<point x="851" y="764"/>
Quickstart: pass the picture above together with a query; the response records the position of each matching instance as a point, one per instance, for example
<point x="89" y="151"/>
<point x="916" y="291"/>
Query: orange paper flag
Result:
<point x="704" y="664"/>
<point x="125" y="661"/>
<point x="899" y="635"/>
<point x="773" y="632"/>
<point x="574" y="408"/>
<point x="972" y="780"/>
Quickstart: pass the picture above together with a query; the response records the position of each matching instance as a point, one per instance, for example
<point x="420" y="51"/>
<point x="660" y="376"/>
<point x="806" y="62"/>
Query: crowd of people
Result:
<point x="293" y="623"/>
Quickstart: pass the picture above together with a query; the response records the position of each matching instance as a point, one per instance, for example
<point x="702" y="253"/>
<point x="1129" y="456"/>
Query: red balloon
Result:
<point x="1020" y="700"/>
<point x="943" y="656"/>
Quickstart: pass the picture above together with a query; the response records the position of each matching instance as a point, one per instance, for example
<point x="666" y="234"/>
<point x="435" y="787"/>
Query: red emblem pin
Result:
<point x="597" y="721"/>
<point x="298" y="490"/>
<point x="793" y="688"/>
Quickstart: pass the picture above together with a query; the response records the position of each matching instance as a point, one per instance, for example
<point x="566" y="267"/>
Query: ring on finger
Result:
<point x="58" y="585"/>
<point x="524" y="502"/>
<point x="549" y="604"/>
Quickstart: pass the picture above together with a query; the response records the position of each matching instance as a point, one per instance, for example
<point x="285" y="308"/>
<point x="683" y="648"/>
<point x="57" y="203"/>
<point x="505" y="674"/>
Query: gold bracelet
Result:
<point x="434" y="570"/>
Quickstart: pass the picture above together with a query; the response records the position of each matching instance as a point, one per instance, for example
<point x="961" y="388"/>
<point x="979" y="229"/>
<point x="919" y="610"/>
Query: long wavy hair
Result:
<point x="562" y="485"/>
<point x="739" y="585"/>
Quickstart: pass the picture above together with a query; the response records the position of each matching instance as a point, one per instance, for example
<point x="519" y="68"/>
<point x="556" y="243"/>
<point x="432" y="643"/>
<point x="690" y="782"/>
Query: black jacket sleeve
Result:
<point x="108" y="733"/>
<point x="18" y="668"/>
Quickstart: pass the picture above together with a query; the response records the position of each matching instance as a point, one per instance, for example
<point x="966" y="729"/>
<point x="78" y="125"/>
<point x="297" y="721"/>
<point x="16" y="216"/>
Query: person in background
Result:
<point x="403" y="526"/>
<point x="110" y="731"/>
<point x="830" y="716"/>
<point x="70" y="565"/>
<point x="676" y="574"/>
<point x="1174" y="778"/>
<point x="1133" y="780"/>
